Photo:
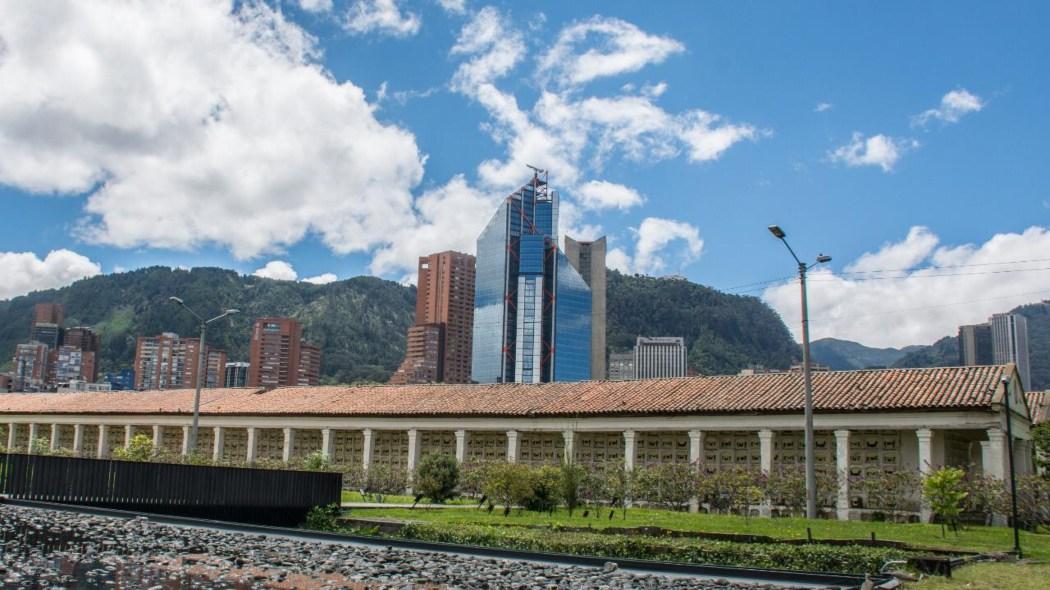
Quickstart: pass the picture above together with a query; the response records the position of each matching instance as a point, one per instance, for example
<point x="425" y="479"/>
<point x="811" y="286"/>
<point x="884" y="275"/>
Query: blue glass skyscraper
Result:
<point x="532" y="309"/>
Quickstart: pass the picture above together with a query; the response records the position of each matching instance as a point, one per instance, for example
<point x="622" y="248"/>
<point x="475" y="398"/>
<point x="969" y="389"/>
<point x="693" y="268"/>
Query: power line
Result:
<point x="905" y="310"/>
<point x="934" y="276"/>
<point x="947" y="266"/>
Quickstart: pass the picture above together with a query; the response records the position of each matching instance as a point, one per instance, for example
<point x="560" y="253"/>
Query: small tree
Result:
<point x="316" y="461"/>
<point x="436" y="477"/>
<point x="889" y="491"/>
<point x="472" y="478"/>
<point x="1041" y="438"/>
<point x="140" y="448"/>
<point x="384" y="479"/>
<point x="617" y="484"/>
<point x="573" y="482"/>
<point x="985" y="495"/>
<point x="945" y="490"/>
<point x="39" y="446"/>
<point x="508" y="484"/>
<point x="671" y="485"/>
<point x="1033" y="502"/>
<point x="546" y="484"/>
<point x="786" y="486"/>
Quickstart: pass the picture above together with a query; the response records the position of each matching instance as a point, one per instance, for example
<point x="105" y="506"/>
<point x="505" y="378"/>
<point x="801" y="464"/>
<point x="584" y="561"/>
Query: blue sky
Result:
<point x="346" y="138"/>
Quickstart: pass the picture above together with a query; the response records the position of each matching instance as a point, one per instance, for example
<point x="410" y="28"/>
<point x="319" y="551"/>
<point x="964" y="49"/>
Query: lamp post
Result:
<point x="807" y="381"/>
<point x="1010" y="461"/>
<point x="192" y="446"/>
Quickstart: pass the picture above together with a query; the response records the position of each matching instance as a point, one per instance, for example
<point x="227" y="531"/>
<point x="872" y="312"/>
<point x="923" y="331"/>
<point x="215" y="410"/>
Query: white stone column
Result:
<point x="993" y="456"/>
<point x="103" y="441"/>
<point x="326" y="443"/>
<point x="78" y="439"/>
<point x="249" y="456"/>
<point x="925" y="437"/>
<point x="413" y="450"/>
<point x="128" y="430"/>
<point x="369" y="446"/>
<point x="158" y="438"/>
<point x="765" y="448"/>
<point x="289" y="442"/>
<point x="186" y="450"/>
<point x="696" y="455"/>
<point x="12" y="435"/>
<point x="218" y="441"/>
<point x="628" y="449"/>
<point x="842" y="468"/>
<point x="512" y="446"/>
<point x="54" y="437"/>
<point x="568" y="446"/>
<point x="32" y="437"/>
<point x="461" y="446"/>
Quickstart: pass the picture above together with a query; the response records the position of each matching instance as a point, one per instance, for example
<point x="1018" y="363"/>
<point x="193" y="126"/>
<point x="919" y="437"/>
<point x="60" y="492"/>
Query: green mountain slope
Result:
<point x="359" y="323"/>
<point x="725" y="333"/>
<point x="844" y="355"/>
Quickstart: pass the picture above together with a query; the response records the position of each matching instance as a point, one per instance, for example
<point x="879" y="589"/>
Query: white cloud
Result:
<point x="823" y="107"/>
<point x="953" y="107"/>
<point x="621" y="47"/>
<point x="24" y="272"/>
<point x="278" y="270"/>
<point x="315" y="5"/>
<point x="652" y="239"/>
<point x="322" y="279"/>
<point x="600" y="194"/>
<point x="916" y="306"/>
<point x="453" y="6"/>
<point x="202" y="127"/>
<point x="877" y="150"/>
<point x="381" y="16"/>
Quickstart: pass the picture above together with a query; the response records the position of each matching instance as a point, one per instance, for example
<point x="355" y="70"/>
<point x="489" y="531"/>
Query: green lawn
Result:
<point x="924" y="535"/>
<point x="349" y="496"/>
<point x="992" y="576"/>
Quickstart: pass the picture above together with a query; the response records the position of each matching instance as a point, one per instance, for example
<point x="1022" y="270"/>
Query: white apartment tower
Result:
<point x="1010" y="343"/>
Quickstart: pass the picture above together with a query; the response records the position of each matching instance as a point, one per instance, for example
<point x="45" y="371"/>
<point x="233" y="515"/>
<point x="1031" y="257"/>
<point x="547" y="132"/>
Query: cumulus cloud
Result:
<point x="954" y="105"/>
<point x="315" y="5"/>
<point x="278" y="270"/>
<point x="918" y="290"/>
<point x="876" y="150"/>
<point x="381" y="16"/>
<point x="600" y="194"/>
<point x="24" y="272"/>
<point x="322" y="279"/>
<point x="453" y="6"/>
<point x="620" y="47"/>
<point x="652" y="239"/>
<point x="823" y="107"/>
<point x="205" y="126"/>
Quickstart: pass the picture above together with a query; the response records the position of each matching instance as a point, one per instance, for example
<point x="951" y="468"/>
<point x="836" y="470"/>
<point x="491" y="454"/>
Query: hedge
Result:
<point x="850" y="559"/>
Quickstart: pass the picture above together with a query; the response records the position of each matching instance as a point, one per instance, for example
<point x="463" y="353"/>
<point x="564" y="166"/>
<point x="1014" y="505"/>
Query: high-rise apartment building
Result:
<point x="69" y="363"/>
<point x="1010" y="343"/>
<point x="621" y="366"/>
<point x="47" y="324"/>
<point x="588" y="258"/>
<point x="277" y="355"/>
<point x="439" y="344"/>
<point x="236" y="375"/>
<point x="532" y="309"/>
<point x="30" y="367"/>
<point x="169" y="361"/>
<point x="89" y="344"/>
<point x="975" y="345"/>
<point x="660" y="357"/>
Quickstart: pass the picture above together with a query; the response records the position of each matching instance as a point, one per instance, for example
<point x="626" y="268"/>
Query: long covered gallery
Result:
<point x="892" y="419"/>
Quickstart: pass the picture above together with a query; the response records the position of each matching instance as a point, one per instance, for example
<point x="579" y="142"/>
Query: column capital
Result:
<point x="842" y="434"/>
<point x="461" y="433"/>
<point x="512" y="434"/>
<point x="696" y="434"/>
<point x="366" y="432"/>
<point x="629" y="435"/>
<point x="924" y="433"/>
<point x="996" y="435"/>
<point x="765" y="434"/>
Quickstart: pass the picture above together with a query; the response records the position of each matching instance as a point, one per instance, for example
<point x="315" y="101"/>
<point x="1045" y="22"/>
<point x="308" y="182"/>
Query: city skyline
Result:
<point x="659" y="129"/>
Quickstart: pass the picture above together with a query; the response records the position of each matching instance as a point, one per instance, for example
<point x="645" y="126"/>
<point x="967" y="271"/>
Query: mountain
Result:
<point x="845" y="355"/>
<point x="724" y="333"/>
<point x="360" y="323"/>
<point x="943" y="353"/>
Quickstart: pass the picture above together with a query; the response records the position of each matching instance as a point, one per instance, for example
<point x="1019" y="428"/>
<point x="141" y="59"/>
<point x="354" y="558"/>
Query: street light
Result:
<point x="1010" y="452"/>
<point x="192" y="443"/>
<point x="811" y="474"/>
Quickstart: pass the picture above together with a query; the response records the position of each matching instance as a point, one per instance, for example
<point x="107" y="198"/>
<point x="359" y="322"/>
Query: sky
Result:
<point x="317" y="140"/>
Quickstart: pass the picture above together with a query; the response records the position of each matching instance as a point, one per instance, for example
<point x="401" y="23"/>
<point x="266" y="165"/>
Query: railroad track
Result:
<point x="638" y="566"/>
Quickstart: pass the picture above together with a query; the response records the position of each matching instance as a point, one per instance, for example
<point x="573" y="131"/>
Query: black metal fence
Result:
<point x="262" y="496"/>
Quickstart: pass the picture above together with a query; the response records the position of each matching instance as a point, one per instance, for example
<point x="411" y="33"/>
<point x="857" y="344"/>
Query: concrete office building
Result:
<point x="532" y="309"/>
<point x="168" y="361"/>
<point x="46" y="326"/>
<point x="908" y="420"/>
<point x="440" y="342"/>
<point x="1010" y="343"/>
<point x="975" y="345"/>
<point x="236" y="374"/>
<point x="588" y="258"/>
<point x="30" y="367"/>
<point x="621" y="366"/>
<point x="660" y="357"/>
<point x="279" y="357"/>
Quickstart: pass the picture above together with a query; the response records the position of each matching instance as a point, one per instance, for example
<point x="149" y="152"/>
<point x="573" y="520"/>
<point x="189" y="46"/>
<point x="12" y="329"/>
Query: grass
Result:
<point x="349" y="496"/>
<point x="973" y="538"/>
<point x="991" y="576"/>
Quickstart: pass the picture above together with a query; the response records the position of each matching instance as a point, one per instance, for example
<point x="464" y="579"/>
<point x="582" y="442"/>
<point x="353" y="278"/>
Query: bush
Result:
<point x="316" y="461"/>
<point x="323" y="518"/>
<point x="670" y="485"/>
<point x="1033" y="501"/>
<point x="437" y="477"/>
<point x="985" y="495"/>
<point x="472" y="478"/>
<point x="573" y="485"/>
<point x="1041" y="438"/>
<point x="813" y="557"/>
<point x="140" y="448"/>
<point x="735" y="489"/>
<point x="385" y="479"/>
<point x="890" y="491"/>
<point x="545" y="482"/>
<point x="39" y="446"/>
<point x="508" y="484"/>
<point x="945" y="490"/>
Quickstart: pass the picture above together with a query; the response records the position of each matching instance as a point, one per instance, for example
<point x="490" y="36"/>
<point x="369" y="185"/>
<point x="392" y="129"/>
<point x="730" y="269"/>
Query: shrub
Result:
<point x="985" y="495"/>
<point x="945" y="490"/>
<point x="573" y="485"/>
<point x="323" y="518"/>
<point x="353" y="476"/>
<point x="384" y="479"/>
<point x="316" y="461"/>
<point x="437" y="477"/>
<point x="1033" y="501"/>
<point x="39" y="446"/>
<point x="140" y="448"/>
<point x="545" y="482"/>
<point x="890" y="491"/>
<point x="472" y="478"/>
<point x="1041" y="438"/>
<point x="671" y="485"/>
<point x="734" y="489"/>
<point x="508" y="484"/>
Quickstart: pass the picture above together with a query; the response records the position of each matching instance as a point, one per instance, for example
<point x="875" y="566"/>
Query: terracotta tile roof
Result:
<point x="950" y="388"/>
<point x="1039" y="406"/>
